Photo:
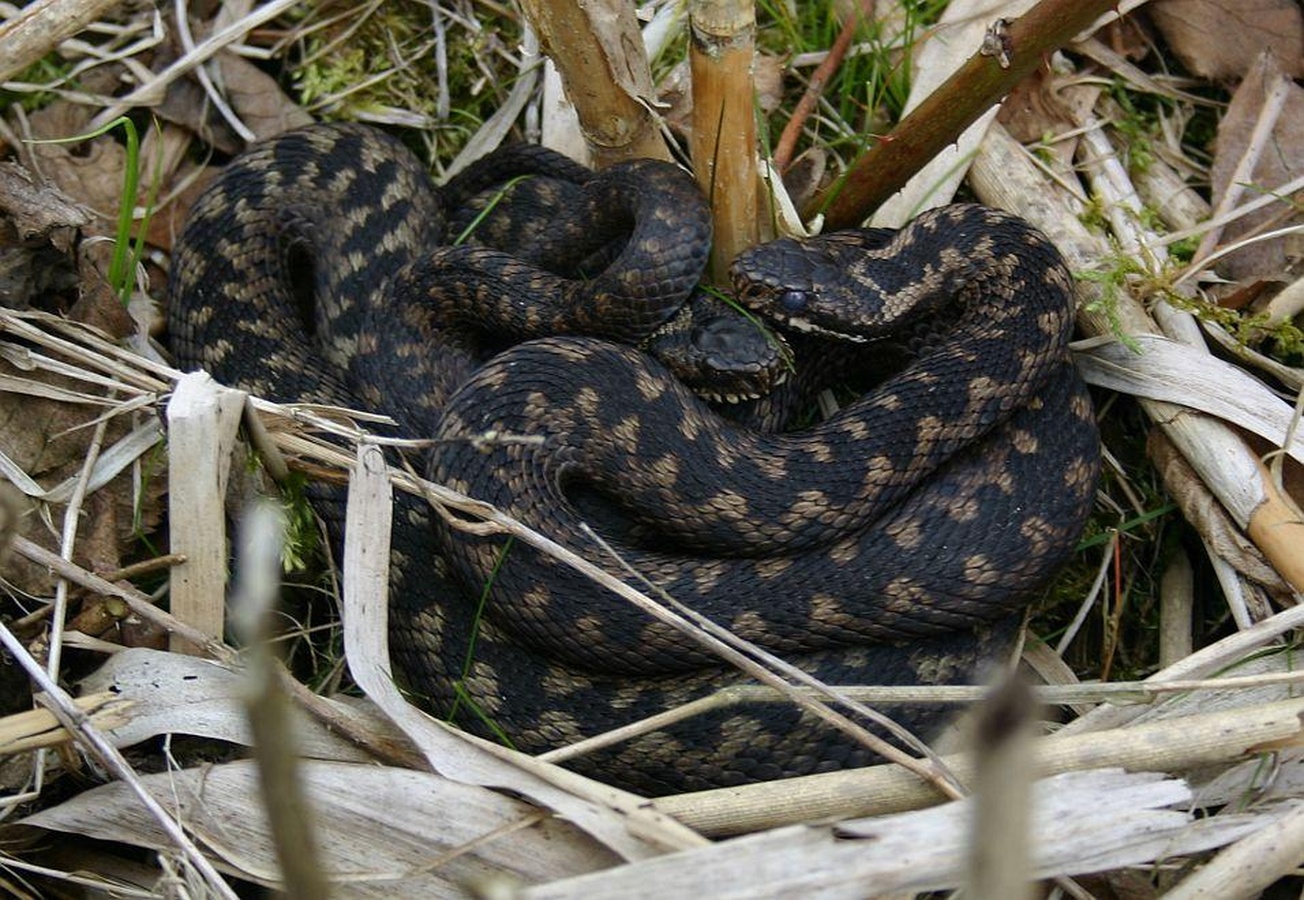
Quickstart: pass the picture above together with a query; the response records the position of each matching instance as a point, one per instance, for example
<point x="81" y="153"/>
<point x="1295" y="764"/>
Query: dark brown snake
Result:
<point x="896" y="542"/>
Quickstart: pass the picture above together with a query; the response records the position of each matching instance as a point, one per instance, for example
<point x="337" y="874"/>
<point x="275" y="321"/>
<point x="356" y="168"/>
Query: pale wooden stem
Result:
<point x="598" y="50"/>
<point x="1165" y="745"/>
<point x="202" y="420"/>
<point x="40" y="27"/>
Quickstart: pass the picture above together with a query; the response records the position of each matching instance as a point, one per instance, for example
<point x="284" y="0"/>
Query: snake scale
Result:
<point x="895" y="542"/>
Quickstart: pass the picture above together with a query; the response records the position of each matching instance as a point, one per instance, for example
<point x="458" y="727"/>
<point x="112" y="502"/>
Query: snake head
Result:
<point x="722" y="354"/>
<point x="803" y="285"/>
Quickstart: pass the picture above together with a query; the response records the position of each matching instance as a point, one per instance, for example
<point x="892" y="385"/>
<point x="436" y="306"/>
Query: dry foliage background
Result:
<point x="1160" y="148"/>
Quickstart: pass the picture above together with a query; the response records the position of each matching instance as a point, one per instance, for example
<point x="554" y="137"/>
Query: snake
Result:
<point x="898" y="541"/>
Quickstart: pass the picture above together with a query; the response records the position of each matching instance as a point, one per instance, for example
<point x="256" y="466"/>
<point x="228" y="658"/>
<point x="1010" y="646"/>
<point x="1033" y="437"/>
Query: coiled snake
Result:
<point x="894" y="542"/>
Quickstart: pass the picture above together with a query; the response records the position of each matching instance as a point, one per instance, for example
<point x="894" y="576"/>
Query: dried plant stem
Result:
<point x="721" y="49"/>
<point x="1250" y="865"/>
<point x="268" y="707"/>
<point x="71" y="517"/>
<point x="202" y="420"/>
<point x="1161" y="746"/>
<point x="39" y="728"/>
<point x="1018" y="47"/>
<point x="1176" y="599"/>
<point x="139" y="603"/>
<point x="40" y="27"/>
<point x="65" y="709"/>
<point x="597" y="48"/>
<point x="999" y="852"/>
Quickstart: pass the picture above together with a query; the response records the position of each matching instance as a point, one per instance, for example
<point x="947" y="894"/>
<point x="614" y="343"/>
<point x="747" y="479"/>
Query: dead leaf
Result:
<point x="1281" y="160"/>
<point x="166" y="223"/>
<point x="47" y="440"/>
<point x="90" y="171"/>
<point x="38" y="224"/>
<point x="1245" y="295"/>
<point x="1129" y="36"/>
<point x="1044" y="105"/>
<point x="258" y="99"/>
<point x="384" y="832"/>
<point x="254" y="96"/>
<point x="93" y="171"/>
<point x="39" y="211"/>
<point x="174" y="693"/>
<point x="1220" y="39"/>
<point x="99" y="304"/>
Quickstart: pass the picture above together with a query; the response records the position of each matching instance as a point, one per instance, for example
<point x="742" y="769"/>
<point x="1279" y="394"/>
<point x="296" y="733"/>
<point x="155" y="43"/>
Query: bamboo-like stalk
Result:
<point x="598" y="50"/>
<point x="722" y="46"/>
<point x="1014" y="48"/>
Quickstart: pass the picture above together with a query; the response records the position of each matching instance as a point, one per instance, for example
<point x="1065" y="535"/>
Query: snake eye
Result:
<point x="793" y="301"/>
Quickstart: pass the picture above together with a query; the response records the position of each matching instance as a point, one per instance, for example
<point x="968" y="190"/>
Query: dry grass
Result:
<point x="1186" y="587"/>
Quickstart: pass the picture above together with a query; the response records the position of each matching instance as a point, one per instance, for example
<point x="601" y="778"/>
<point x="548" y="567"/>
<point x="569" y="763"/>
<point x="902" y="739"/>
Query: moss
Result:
<point x="380" y="63"/>
<point x="1283" y="341"/>
<point x="1113" y="279"/>
<point x="50" y="70"/>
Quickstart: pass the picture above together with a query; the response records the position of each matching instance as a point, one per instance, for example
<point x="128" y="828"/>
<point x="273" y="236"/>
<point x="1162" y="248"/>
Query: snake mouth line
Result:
<point x="732" y="398"/>
<point x="806" y="326"/>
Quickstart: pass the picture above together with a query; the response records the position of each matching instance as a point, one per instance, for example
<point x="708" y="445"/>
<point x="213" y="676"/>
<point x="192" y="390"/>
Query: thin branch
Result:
<point x="1013" y="49"/>
<point x="783" y="150"/>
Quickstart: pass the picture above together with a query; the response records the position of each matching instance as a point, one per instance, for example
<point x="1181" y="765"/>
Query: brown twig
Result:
<point x="1013" y="49"/>
<point x="139" y="603"/>
<point x="783" y="150"/>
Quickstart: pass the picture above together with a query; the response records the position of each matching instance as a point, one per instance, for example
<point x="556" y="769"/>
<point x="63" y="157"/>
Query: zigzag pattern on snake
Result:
<point x="895" y="542"/>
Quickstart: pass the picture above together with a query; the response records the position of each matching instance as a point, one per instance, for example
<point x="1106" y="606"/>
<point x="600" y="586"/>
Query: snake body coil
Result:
<point x="895" y="542"/>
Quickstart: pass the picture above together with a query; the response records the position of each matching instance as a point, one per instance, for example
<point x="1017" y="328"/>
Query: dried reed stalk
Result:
<point x="1162" y="746"/>
<point x="202" y="420"/>
<point x="721" y="50"/>
<point x="1251" y="865"/>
